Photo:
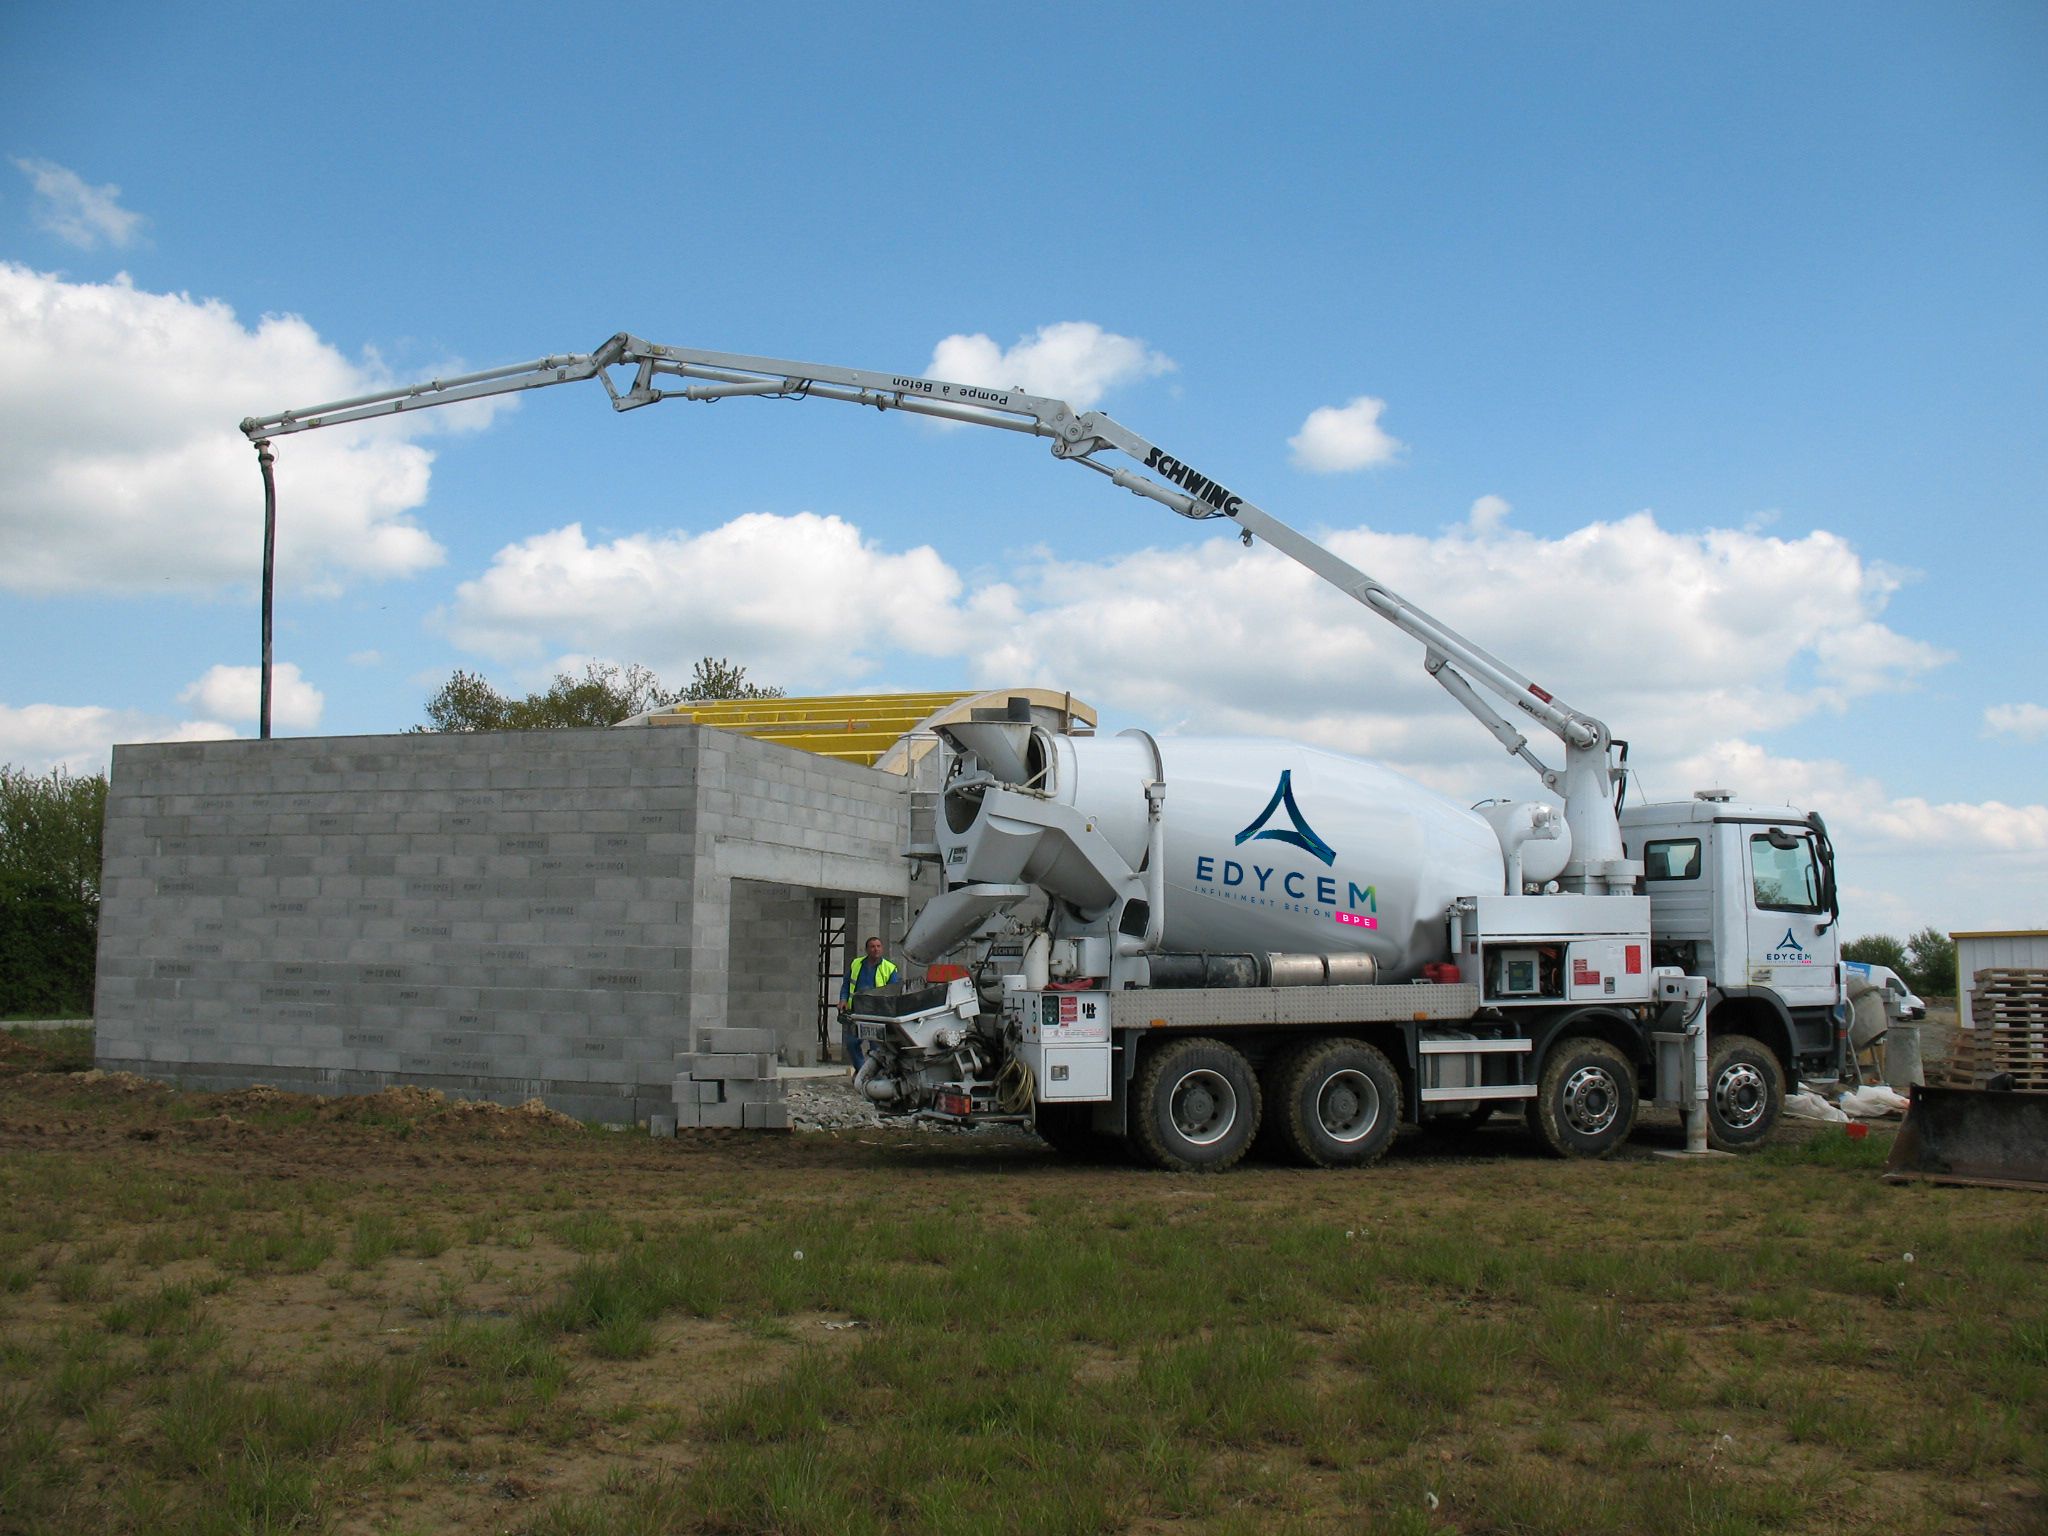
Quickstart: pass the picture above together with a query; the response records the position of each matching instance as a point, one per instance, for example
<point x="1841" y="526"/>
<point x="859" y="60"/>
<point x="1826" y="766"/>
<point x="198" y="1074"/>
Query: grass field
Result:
<point x="260" y="1313"/>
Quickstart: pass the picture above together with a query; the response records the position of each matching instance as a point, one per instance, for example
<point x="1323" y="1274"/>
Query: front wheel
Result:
<point x="1745" y="1092"/>
<point x="1197" y="1106"/>
<point x="1338" y="1105"/>
<point x="1586" y="1105"/>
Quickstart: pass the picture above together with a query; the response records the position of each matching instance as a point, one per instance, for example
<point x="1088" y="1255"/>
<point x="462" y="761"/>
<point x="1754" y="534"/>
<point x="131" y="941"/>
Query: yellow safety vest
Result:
<point x="884" y="974"/>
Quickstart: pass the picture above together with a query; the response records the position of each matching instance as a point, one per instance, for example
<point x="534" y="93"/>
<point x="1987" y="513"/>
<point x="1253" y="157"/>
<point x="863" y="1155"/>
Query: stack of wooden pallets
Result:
<point x="2009" y="1009"/>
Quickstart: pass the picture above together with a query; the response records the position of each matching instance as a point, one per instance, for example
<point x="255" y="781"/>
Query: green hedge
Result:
<point x="50" y="832"/>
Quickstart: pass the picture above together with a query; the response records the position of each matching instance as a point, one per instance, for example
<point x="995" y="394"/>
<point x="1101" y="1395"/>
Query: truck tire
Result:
<point x="1196" y="1106"/>
<point x="1337" y="1105"/>
<point x="1586" y="1104"/>
<point x="1745" y="1093"/>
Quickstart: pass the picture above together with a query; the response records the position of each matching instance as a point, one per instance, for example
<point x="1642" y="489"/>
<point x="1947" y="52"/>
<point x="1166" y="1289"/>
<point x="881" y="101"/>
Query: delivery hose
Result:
<point x="264" y="460"/>
<point x="1016" y="1091"/>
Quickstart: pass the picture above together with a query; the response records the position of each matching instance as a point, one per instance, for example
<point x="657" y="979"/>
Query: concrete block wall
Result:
<point x="772" y="967"/>
<point x="497" y="915"/>
<point x="776" y="817"/>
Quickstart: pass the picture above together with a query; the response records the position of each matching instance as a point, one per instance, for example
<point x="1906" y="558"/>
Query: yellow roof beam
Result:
<point x="859" y="727"/>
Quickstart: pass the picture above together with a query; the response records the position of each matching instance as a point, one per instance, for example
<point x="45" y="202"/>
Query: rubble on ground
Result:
<point x="832" y="1104"/>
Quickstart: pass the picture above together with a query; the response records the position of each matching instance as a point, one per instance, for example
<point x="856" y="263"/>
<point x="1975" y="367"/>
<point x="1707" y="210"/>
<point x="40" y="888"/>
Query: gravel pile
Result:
<point x="828" y="1104"/>
<point x="831" y="1104"/>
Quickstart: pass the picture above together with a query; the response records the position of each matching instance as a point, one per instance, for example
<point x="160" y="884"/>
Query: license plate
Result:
<point x="868" y="1031"/>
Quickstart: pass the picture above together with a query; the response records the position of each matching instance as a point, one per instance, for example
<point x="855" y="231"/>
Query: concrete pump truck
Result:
<point x="1187" y="944"/>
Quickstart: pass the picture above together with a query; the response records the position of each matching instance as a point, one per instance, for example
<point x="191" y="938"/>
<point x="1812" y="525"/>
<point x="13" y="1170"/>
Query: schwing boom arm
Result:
<point x="1458" y="664"/>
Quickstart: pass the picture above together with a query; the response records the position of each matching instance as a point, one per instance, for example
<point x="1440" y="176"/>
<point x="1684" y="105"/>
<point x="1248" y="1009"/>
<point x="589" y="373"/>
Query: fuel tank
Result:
<point x="1268" y="845"/>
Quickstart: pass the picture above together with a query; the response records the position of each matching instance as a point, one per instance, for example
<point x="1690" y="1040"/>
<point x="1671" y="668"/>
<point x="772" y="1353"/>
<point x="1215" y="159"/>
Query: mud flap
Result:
<point x="1973" y="1136"/>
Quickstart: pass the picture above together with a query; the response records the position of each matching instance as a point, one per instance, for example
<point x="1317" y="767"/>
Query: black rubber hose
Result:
<point x="265" y="458"/>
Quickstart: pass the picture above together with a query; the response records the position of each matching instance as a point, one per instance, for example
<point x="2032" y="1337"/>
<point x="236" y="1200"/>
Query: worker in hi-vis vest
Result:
<point x="868" y="973"/>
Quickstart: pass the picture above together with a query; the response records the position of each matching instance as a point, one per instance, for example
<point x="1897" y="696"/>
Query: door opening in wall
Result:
<point x="833" y="916"/>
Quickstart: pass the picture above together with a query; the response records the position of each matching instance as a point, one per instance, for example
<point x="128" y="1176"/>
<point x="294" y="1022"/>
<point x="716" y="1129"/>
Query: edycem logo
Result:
<point x="1788" y="951"/>
<point x="1298" y="831"/>
<point x="1294" y="890"/>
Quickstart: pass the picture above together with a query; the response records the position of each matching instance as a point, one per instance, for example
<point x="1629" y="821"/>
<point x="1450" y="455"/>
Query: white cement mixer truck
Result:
<point x="1182" y="942"/>
<point x="1187" y="944"/>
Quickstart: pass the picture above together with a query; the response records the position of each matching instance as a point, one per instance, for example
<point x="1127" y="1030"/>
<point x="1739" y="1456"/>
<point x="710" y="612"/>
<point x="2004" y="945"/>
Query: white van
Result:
<point x="1900" y="1005"/>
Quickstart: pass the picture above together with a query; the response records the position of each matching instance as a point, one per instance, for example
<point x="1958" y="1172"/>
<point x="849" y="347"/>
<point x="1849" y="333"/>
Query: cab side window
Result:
<point x="1676" y="859"/>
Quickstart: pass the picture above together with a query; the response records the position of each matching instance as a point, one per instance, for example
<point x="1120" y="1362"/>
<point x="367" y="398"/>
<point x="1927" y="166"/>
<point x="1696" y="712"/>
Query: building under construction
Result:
<point x="510" y="914"/>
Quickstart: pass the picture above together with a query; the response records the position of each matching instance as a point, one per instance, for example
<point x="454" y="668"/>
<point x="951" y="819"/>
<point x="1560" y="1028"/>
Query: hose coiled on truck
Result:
<point x="1016" y="1089"/>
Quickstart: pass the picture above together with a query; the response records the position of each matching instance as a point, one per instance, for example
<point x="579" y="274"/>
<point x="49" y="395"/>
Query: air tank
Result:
<point x="1269" y="846"/>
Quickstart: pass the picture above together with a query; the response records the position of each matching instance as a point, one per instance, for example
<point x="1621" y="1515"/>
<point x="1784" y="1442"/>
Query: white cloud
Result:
<point x="75" y="212"/>
<point x="1488" y="513"/>
<point x="1336" y="438"/>
<point x="236" y="693"/>
<point x="122" y="469"/>
<point x="1676" y="639"/>
<point x="798" y="598"/>
<point x="79" y="738"/>
<point x="1072" y="360"/>
<point x="1859" y="804"/>
<point x="2029" y="722"/>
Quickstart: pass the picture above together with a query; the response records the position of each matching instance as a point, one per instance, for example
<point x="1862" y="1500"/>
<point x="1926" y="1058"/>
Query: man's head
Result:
<point x="874" y="949"/>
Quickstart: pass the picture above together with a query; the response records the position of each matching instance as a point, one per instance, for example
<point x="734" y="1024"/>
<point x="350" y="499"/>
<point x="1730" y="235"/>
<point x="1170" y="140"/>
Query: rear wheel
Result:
<point x="1196" y="1106"/>
<point x="1745" y="1092"/>
<point x="1586" y="1105"/>
<point x="1338" y="1105"/>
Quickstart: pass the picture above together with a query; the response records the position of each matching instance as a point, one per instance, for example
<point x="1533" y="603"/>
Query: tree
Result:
<point x="604" y="695"/>
<point x="1878" y="949"/>
<point x="50" y="840"/>
<point x="1932" y="972"/>
<point x="720" y="679"/>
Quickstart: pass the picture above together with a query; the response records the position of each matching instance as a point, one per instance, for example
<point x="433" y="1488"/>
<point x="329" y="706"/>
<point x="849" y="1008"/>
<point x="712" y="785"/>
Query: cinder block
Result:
<point x="690" y="1090"/>
<point x="749" y="1092"/>
<point x="661" y="1127"/>
<point x="715" y="1064"/>
<point x="730" y="1117"/>
<point x="736" y="1041"/>
<point x="764" y="1117"/>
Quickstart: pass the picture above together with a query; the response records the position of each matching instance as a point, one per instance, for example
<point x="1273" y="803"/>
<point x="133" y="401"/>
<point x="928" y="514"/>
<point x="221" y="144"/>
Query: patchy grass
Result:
<point x="66" y="1049"/>
<point x="244" y="1316"/>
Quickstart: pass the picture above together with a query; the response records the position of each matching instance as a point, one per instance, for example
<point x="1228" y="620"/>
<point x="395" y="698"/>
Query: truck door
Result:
<point x="1792" y="945"/>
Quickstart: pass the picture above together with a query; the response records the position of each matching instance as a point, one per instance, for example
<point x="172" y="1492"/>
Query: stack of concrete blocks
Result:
<point x="731" y="1084"/>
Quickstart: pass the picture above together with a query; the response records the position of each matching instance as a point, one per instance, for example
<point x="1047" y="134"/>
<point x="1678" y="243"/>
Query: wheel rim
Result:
<point x="1347" y="1106"/>
<point x="1204" y="1107"/>
<point x="1592" y="1100"/>
<point x="1740" y="1096"/>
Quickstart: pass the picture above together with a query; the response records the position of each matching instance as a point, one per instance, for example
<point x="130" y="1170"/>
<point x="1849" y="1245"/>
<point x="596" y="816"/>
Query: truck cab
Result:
<point x="1744" y="895"/>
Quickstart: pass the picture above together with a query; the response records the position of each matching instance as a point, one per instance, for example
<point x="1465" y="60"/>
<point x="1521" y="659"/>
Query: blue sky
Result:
<point x="1693" y="358"/>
